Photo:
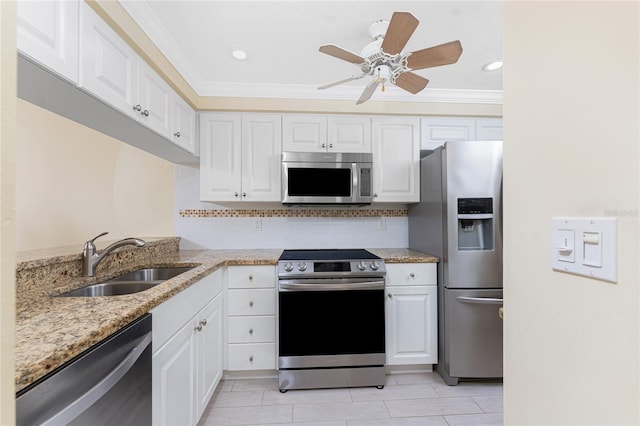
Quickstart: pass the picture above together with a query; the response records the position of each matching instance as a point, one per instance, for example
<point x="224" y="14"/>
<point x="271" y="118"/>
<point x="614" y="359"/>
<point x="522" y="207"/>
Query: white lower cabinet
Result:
<point x="251" y="318"/>
<point x="411" y="310"/>
<point x="187" y="352"/>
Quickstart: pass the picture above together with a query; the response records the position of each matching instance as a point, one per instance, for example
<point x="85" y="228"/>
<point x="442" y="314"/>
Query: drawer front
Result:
<point x="412" y="274"/>
<point x="263" y="276"/>
<point x="259" y="356"/>
<point x="256" y="329"/>
<point x="252" y="302"/>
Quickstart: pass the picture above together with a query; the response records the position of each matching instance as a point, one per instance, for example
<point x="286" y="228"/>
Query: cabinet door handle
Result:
<point x="235" y="194"/>
<point x="251" y="331"/>
<point x="390" y="296"/>
<point x="244" y="194"/>
<point x="176" y="134"/>
<point x="198" y="327"/>
<point x="145" y="113"/>
<point x="375" y="195"/>
<point x="330" y="145"/>
<point x="203" y="322"/>
<point x="323" y="145"/>
<point x="137" y="108"/>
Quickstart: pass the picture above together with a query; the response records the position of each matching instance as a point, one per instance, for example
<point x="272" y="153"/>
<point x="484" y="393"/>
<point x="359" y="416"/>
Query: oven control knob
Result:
<point x="288" y="267"/>
<point x="375" y="265"/>
<point x="362" y="266"/>
<point x="302" y="266"/>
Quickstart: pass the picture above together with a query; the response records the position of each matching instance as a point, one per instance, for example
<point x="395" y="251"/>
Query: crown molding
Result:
<point x="391" y="93"/>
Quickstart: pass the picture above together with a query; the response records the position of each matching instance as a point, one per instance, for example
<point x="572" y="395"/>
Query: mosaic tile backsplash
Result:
<point x="209" y="226"/>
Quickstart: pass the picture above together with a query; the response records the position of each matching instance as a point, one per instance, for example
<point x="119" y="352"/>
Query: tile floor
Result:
<point x="407" y="399"/>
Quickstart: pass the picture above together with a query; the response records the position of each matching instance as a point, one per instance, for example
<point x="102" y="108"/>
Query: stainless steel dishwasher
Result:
<point x="109" y="384"/>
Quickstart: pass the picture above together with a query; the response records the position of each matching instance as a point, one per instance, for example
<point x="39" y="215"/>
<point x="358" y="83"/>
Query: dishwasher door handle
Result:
<point x="481" y="300"/>
<point x="78" y="406"/>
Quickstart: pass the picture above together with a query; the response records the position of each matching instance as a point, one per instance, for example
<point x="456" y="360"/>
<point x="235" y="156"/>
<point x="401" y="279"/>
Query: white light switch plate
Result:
<point x="585" y="246"/>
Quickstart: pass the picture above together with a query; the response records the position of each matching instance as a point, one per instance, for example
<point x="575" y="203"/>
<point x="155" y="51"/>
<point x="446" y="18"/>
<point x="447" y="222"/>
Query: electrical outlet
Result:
<point x="382" y="224"/>
<point x="257" y="224"/>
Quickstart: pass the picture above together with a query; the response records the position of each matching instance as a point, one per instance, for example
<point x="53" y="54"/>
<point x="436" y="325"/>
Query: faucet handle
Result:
<point x="90" y="242"/>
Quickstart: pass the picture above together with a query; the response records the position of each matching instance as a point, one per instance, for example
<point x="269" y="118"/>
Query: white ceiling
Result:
<point x="282" y="38"/>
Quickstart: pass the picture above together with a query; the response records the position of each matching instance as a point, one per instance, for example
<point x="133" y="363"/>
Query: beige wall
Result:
<point x="571" y="130"/>
<point x="73" y="183"/>
<point x="7" y="203"/>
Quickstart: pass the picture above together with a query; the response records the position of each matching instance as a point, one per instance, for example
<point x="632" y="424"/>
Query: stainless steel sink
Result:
<point x="129" y="283"/>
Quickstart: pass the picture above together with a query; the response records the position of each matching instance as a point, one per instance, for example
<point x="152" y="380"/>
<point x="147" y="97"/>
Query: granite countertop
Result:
<point x="51" y="330"/>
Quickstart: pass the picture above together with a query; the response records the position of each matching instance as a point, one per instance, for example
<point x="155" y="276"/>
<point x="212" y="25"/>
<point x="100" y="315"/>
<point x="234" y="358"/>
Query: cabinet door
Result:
<point x="108" y="66"/>
<point x="184" y="125"/>
<point x="438" y="130"/>
<point x="220" y="157"/>
<point x="209" y="352"/>
<point x="155" y="100"/>
<point x="173" y="380"/>
<point x="349" y="134"/>
<point x="411" y="326"/>
<point x="396" y="159"/>
<point x="261" y="157"/>
<point x="304" y="133"/>
<point x="47" y="31"/>
<point x="489" y="129"/>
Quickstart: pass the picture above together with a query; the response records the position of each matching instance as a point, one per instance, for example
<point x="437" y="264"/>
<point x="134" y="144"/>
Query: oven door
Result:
<point x="330" y="326"/>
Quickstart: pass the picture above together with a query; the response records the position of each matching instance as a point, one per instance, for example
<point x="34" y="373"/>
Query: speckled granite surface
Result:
<point x="51" y="330"/>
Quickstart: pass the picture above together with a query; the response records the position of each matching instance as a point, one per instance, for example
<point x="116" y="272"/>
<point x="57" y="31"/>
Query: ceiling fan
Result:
<point x="383" y="60"/>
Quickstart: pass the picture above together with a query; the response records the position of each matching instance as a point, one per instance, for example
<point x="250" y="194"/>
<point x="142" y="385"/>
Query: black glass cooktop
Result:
<point x="327" y="254"/>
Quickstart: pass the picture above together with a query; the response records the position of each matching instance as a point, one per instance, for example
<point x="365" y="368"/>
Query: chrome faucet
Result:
<point x="90" y="259"/>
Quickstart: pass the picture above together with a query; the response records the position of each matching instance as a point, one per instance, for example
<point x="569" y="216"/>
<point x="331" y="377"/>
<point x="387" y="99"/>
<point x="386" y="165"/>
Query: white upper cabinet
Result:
<point x="47" y="31"/>
<point x="220" y="157"/>
<point x="396" y="159"/>
<point x="489" y="129"/>
<point x="108" y="65"/>
<point x="155" y="100"/>
<point x="184" y="125"/>
<point x="438" y="130"/>
<point x="261" y="157"/>
<point x="313" y="133"/>
<point x="240" y="157"/>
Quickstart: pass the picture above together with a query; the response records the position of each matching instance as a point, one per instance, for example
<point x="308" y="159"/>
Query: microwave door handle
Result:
<point x="354" y="184"/>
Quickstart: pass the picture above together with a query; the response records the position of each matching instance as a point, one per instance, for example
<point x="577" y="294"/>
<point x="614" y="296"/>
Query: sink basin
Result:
<point x="129" y="283"/>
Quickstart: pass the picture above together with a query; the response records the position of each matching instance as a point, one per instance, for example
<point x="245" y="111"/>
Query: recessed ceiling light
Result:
<point x="239" y="54"/>
<point x="492" y="66"/>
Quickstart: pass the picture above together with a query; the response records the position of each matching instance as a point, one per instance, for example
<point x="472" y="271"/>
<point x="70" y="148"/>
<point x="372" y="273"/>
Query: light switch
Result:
<point x="566" y="245"/>
<point x="591" y="249"/>
<point x="585" y="246"/>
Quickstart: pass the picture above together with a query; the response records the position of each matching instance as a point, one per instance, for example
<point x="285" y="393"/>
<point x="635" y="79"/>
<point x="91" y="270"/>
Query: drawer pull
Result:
<point x="390" y="296"/>
<point x="251" y="303"/>
<point x="251" y="358"/>
<point x="250" y="277"/>
<point x="203" y="322"/>
<point x="412" y="275"/>
<point x="251" y="331"/>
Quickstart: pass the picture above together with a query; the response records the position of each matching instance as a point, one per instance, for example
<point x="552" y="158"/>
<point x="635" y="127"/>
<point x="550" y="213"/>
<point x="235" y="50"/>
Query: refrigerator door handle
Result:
<point x="480" y="300"/>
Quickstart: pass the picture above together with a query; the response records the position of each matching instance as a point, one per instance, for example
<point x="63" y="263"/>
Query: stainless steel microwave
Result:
<point x="327" y="178"/>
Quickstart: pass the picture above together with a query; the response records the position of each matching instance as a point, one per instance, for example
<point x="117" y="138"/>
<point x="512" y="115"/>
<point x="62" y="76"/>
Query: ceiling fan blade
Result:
<point x="340" y="53"/>
<point x="346" y="80"/>
<point x="443" y="54"/>
<point x="401" y="26"/>
<point x="368" y="91"/>
<point x="411" y="82"/>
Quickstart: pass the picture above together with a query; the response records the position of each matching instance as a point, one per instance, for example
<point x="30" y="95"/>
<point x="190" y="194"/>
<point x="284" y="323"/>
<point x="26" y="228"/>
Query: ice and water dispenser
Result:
<point x="475" y="224"/>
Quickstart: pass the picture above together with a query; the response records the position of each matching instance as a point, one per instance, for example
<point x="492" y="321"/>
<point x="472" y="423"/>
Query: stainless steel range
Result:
<point x="330" y="319"/>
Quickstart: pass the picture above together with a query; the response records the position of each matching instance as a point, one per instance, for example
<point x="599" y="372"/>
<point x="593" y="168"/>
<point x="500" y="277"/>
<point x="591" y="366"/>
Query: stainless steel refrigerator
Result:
<point x="459" y="219"/>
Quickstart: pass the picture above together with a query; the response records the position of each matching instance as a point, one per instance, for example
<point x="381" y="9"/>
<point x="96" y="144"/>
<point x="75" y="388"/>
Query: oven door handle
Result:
<point x="330" y="285"/>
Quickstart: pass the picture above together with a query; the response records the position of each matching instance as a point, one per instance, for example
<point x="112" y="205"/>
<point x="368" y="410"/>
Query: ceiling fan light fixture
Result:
<point x="240" y="55"/>
<point x="493" y="65"/>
